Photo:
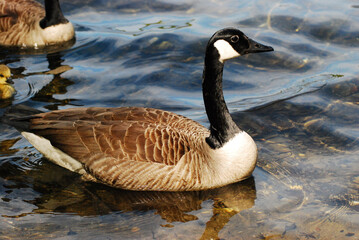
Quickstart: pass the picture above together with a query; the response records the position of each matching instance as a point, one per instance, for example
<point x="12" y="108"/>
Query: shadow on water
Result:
<point x="8" y="51"/>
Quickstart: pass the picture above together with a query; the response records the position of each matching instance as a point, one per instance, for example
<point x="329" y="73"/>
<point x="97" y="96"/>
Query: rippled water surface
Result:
<point x="300" y="104"/>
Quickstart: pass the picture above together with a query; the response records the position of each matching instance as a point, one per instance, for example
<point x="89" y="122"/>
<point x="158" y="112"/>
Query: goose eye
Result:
<point x="234" y="39"/>
<point x="1" y="75"/>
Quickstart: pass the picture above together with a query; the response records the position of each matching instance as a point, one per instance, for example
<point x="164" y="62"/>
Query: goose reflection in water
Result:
<point x="58" y="85"/>
<point x="90" y="199"/>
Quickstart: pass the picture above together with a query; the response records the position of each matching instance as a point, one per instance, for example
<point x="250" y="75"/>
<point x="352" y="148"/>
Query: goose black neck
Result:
<point x="53" y="15"/>
<point x="222" y="127"/>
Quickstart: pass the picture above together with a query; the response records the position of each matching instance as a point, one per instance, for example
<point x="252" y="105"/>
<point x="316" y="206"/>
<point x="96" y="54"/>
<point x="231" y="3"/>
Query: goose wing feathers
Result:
<point x="106" y="138"/>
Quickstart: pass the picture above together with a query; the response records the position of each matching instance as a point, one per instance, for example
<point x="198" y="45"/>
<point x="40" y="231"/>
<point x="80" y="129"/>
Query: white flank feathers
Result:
<point x="58" y="33"/>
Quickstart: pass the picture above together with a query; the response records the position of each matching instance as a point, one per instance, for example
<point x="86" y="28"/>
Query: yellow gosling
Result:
<point x="6" y="90"/>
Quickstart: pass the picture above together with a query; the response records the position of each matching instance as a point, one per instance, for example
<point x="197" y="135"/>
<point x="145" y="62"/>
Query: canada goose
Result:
<point x="25" y="23"/>
<point x="6" y="90"/>
<point x="139" y="148"/>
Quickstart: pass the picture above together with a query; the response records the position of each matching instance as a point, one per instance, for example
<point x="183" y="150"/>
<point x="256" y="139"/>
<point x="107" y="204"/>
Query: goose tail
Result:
<point x="19" y="116"/>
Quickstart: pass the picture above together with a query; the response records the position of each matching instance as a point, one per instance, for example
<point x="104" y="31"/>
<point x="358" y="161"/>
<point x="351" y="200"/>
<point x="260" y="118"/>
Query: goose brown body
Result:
<point x="20" y="25"/>
<point x="131" y="148"/>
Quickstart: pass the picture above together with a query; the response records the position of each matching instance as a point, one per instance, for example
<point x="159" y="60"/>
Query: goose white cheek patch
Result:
<point x="225" y="50"/>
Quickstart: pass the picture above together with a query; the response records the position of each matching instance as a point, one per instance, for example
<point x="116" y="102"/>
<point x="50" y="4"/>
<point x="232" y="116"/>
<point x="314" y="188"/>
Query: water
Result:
<point x="300" y="104"/>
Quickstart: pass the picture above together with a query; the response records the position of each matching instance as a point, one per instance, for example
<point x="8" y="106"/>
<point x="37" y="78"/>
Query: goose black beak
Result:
<point x="255" y="47"/>
<point x="9" y="80"/>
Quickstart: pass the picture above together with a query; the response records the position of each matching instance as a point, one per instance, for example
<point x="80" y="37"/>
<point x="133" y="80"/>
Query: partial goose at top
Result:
<point x="139" y="148"/>
<point x="26" y="23"/>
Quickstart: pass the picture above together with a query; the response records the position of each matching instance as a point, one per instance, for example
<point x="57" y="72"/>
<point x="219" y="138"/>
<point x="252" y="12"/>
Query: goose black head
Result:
<point x="231" y="42"/>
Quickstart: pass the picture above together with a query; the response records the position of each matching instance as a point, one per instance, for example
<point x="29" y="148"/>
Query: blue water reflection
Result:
<point x="300" y="103"/>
